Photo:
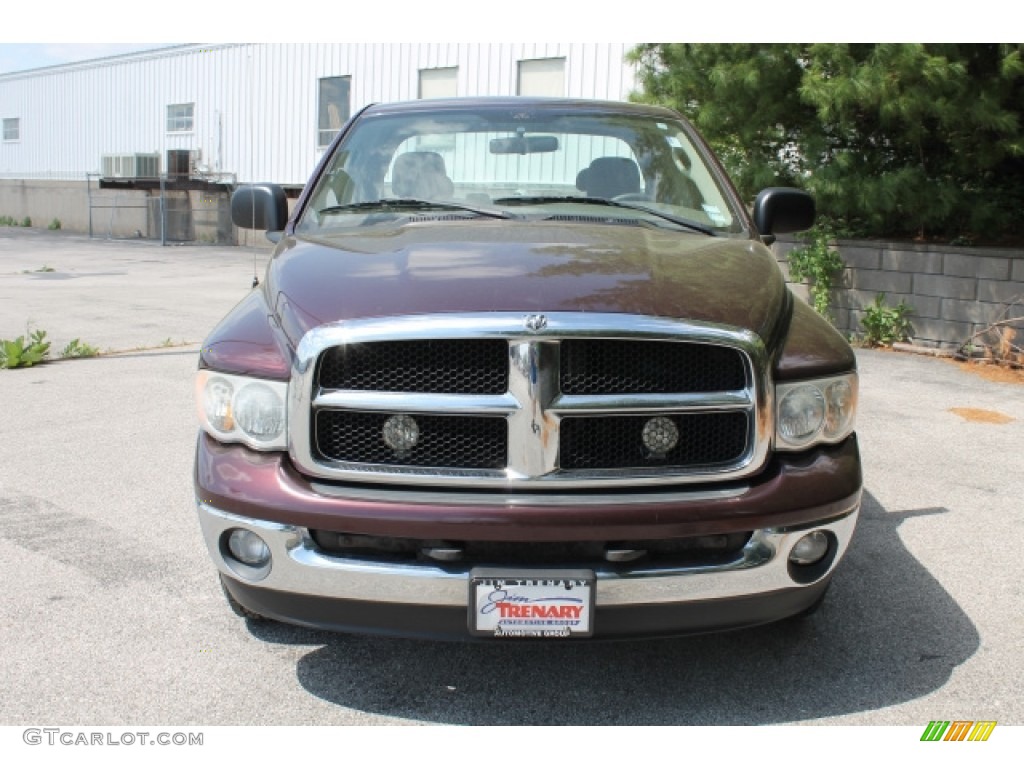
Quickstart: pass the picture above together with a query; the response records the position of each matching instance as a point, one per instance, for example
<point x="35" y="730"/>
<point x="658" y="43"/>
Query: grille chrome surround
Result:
<point x="534" y="405"/>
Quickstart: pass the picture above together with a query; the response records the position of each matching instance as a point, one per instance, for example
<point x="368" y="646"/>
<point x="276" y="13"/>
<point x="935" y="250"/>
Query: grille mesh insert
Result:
<point x="616" y="442"/>
<point x="445" y="366"/>
<point x="613" y="367"/>
<point x="458" y="442"/>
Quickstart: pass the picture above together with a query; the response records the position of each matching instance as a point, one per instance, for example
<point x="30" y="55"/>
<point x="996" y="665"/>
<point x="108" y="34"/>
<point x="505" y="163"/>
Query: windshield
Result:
<point x="533" y="162"/>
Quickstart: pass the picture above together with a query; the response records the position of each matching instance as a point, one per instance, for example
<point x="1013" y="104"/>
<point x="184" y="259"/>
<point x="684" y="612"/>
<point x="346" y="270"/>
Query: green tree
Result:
<point x="892" y="139"/>
<point x="720" y="87"/>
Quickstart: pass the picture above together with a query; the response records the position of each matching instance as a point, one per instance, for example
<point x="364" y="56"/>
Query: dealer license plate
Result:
<point x="512" y="604"/>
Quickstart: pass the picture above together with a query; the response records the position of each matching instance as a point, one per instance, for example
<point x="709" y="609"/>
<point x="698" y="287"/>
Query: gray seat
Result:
<point x="609" y="177"/>
<point x="421" y="175"/>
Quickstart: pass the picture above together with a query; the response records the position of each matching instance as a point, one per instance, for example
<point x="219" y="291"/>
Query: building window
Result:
<point x="179" y="117"/>
<point x="334" y="107"/>
<point x="12" y="128"/>
<point x="541" y="77"/>
<point x="438" y="83"/>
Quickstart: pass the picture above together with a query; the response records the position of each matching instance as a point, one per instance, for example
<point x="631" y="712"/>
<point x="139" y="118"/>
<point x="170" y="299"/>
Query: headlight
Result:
<point x="259" y="411"/>
<point x="816" y="411"/>
<point x="239" y="409"/>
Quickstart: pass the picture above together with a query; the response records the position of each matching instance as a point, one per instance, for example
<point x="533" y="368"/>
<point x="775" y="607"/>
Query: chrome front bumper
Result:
<point x="299" y="568"/>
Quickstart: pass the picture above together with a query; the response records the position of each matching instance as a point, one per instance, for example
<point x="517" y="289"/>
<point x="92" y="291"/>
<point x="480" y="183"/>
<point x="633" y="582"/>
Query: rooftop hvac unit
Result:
<point x="136" y="166"/>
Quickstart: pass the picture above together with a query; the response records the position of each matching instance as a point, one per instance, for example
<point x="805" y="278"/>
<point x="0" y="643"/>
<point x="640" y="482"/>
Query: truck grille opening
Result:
<point x="444" y="366"/>
<point x="514" y="401"/>
<point x="461" y="442"/>
<point x="616" y="442"/>
<point x="691" y="551"/>
<point x="615" y="367"/>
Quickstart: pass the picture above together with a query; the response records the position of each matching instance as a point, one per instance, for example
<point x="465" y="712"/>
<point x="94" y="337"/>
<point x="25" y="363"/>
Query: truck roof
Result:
<point x="477" y="103"/>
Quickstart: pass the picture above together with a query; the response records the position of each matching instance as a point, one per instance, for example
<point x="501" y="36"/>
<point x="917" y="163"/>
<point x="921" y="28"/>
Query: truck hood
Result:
<point x="528" y="267"/>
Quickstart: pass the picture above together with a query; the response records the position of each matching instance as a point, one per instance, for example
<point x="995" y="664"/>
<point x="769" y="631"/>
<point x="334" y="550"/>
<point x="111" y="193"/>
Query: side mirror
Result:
<point x="260" y="206"/>
<point x="783" y="209"/>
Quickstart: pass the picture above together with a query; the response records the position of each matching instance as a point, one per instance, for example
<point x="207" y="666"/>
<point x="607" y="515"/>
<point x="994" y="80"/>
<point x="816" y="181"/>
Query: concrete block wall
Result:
<point x="954" y="291"/>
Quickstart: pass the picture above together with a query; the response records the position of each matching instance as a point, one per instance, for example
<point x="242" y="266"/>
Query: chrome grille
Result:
<point x="504" y="401"/>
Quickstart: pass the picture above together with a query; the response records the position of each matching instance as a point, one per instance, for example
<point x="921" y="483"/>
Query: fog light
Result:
<point x="660" y="435"/>
<point x="248" y="548"/>
<point x="809" y="549"/>
<point x="401" y="433"/>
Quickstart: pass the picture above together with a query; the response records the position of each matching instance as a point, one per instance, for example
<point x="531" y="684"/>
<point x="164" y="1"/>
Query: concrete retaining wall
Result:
<point x="954" y="291"/>
<point x="194" y="216"/>
<point x="44" y="200"/>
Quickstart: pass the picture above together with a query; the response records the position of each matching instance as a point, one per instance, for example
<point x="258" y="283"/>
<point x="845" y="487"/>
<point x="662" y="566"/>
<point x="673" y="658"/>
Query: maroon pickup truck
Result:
<point x="524" y="368"/>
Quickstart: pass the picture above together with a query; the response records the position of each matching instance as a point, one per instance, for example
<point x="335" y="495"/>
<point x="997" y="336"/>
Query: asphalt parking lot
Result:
<point x="112" y="613"/>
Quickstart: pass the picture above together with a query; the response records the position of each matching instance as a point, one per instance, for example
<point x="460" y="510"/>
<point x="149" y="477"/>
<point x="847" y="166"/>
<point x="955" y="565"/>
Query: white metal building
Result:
<point x="259" y="112"/>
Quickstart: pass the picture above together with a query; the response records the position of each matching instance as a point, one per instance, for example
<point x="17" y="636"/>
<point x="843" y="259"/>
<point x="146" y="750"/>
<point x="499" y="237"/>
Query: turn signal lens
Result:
<point x="839" y="397"/>
<point x="217" y="404"/>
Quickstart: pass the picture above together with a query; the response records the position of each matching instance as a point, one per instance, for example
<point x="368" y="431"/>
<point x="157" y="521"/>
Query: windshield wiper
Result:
<point x="411" y="204"/>
<point x="541" y="199"/>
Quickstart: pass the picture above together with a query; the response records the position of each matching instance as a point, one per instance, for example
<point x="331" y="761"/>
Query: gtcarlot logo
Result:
<point x="958" y="730"/>
<point x="70" y="738"/>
